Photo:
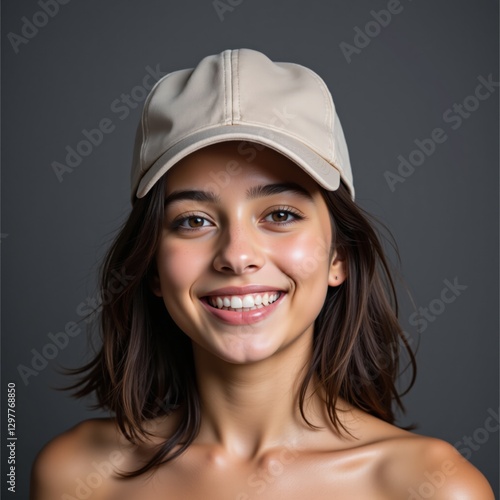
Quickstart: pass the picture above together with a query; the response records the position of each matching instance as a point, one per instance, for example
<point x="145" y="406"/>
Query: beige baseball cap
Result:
<point x="241" y="95"/>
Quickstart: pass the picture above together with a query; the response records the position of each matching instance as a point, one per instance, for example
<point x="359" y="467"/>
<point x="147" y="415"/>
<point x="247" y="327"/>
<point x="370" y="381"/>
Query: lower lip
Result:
<point x="243" y="317"/>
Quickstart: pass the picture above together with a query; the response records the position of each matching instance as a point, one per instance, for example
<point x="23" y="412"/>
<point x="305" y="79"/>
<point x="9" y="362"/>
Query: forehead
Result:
<point x="235" y="163"/>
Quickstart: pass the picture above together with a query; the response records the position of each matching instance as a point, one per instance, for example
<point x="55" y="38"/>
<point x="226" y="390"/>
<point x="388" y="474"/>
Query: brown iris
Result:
<point x="195" y="221"/>
<point x="280" y="216"/>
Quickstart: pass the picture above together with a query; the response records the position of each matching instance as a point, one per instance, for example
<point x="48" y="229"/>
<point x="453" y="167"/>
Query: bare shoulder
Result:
<point x="413" y="467"/>
<point x="435" y="469"/>
<point x="419" y="467"/>
<point x="92" y="448"/>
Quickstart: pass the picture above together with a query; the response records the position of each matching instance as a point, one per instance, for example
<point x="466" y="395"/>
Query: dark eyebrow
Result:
<point x="252" y="193"/>
<point x="194" y="195"/>
<point x="271" y="189"/>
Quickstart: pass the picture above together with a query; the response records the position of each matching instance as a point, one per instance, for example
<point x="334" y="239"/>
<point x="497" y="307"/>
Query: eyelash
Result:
<point x="177" y="223"/>
<point x="287" y="210"/>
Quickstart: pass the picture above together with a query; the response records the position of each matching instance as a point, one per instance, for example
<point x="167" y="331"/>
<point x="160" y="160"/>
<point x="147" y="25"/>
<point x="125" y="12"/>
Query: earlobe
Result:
<point x="338" y="272"/>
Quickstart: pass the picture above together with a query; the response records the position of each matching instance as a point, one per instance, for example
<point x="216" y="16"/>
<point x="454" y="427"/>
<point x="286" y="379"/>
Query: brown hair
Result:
<point x="145" y="366"/>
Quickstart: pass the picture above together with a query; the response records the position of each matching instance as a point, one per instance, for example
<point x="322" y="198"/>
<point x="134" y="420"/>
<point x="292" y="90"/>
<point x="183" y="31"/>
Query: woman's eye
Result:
<point x="193" y="222"/>
<point x="281" y="216"/>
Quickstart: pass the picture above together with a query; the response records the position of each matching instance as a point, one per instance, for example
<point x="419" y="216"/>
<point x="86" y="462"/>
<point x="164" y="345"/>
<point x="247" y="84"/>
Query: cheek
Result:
<point x="178" y="266"/>
<point x="305" y="256"/>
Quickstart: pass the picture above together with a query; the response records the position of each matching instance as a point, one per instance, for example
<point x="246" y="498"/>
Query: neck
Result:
<point x="249" y="408"/>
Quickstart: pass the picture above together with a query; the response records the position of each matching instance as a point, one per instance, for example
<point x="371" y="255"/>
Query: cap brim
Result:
<point x="323" y="172"/>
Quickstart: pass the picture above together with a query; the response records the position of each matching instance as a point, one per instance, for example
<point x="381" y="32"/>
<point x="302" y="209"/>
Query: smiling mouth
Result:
<point x="241" y="303"/>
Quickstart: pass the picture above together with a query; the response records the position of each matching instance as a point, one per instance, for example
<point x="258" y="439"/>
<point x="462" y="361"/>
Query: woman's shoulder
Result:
<point x="425" y="467"/>
<point x="413" y="466"/>
<point x="403" y="464"/>
<point x="93" y="448"/>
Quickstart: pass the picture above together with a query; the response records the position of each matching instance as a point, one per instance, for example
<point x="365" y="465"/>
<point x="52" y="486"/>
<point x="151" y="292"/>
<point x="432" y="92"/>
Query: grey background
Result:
<point x="444" y="216"/>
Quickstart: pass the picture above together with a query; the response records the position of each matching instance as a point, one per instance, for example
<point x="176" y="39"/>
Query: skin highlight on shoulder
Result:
<point x="92" y="450"/>
<point x="406" y="465"/>
<point x="418" y="467"/>
<point x="386" y="461"/>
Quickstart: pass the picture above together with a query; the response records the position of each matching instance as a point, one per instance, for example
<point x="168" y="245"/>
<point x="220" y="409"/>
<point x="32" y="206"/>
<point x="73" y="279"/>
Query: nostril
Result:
<point x="237" y="269"/>
<point x="230" y="260"/>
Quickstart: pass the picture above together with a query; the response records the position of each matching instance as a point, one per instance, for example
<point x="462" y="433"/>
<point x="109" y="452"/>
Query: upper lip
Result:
<point x="242" y="290"/>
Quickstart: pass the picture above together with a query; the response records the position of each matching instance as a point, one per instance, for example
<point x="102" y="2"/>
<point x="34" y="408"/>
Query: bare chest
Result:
<point x="285" y="476"/>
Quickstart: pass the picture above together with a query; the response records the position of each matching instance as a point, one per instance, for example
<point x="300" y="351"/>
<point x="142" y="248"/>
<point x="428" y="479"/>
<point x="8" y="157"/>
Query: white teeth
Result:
<point x="236" y="303"/>
<point x="247" y="302"/>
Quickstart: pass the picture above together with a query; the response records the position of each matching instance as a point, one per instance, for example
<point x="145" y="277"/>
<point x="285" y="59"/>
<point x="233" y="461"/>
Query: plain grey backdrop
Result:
<point x="394" y="80"/>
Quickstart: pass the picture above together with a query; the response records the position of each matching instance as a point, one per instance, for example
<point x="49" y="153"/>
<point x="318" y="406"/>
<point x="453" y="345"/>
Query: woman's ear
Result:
<point x="338" y="268"/>
<point x="154" y="283"/>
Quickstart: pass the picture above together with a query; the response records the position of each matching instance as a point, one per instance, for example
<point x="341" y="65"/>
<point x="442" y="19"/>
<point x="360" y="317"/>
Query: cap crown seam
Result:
<point x="145" y="119"/>
<point x="224" y="77"/>
<point x="328" y="111"/>
<point x="237" y="81"/>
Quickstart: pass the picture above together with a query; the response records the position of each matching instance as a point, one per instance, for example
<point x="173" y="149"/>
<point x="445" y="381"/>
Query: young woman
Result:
<point x="254" y="349"/>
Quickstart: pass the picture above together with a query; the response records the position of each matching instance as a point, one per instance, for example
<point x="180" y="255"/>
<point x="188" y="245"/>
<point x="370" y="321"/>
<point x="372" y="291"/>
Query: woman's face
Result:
<point x="244" y="260"/>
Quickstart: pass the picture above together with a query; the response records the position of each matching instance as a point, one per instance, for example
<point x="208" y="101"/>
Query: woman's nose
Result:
<point x="239" y="251"/>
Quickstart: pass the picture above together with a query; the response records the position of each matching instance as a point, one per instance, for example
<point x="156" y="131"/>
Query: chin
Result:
<point x="242" y="351"/>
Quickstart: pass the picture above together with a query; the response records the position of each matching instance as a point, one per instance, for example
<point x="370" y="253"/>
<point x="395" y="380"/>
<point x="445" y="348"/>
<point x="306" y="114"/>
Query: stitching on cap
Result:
<point x="238" y="82"/>
<point x="225" y="91"/>
<point x="229" y="117"/>
<point x="328" y="101"/>
<point x="144" y="120"/>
